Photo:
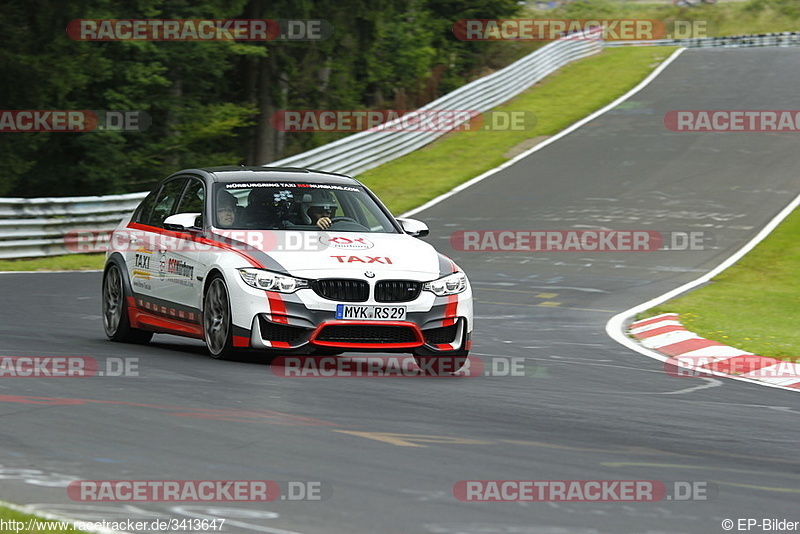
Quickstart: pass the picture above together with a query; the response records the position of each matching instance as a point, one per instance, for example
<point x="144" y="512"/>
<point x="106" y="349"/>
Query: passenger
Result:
<point x="261" y="211"/>
<point x="226" y="209"/>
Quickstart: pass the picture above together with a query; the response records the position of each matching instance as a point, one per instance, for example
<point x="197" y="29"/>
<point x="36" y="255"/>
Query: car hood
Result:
<point x="313" y="254"/>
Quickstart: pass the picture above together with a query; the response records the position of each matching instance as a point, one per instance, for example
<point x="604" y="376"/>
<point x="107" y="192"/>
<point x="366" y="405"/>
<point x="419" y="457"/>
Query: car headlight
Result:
<point x="269" y="281"/>
<point x="447" y="285"/>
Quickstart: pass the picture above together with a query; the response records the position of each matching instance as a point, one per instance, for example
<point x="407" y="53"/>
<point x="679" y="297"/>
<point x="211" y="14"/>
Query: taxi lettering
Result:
<point x="142" y="261"/>
<point x="385" y="260"/>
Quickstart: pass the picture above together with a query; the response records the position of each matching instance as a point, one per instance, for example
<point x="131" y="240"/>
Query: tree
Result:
<point x="210" y="103"/>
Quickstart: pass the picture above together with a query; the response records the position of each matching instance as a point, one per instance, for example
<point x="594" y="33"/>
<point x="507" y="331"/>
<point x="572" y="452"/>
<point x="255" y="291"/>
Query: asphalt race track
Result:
<point x="391" y="449"/>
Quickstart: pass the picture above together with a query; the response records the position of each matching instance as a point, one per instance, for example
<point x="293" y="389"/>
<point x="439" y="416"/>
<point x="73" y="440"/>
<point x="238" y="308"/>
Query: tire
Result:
<point x="116" y="321"/>
<point x="217" y="325"/>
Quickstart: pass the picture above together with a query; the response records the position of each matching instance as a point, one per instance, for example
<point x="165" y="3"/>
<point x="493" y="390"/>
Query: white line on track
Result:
<point x="615" y="327"/>
<point x="644" y="83"/>
<point x="510" y="162"/>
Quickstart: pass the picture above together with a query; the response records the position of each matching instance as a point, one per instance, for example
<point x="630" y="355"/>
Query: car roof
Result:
<point x="229" y="174"/>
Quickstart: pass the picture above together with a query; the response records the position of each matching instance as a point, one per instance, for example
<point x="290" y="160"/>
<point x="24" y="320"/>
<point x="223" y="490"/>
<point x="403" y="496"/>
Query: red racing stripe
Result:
<point x="277" y="307"/>
<point x="450" y="310"/>
<point x="141" y="318"/>
<point x="210" y="242"/>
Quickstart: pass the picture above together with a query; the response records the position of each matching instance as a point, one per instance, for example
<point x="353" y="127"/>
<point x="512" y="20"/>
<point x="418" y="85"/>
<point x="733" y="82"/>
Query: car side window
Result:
<point x="166" y="201"/>
<point x="193" y="199"/>
<point x="146" y="208"/>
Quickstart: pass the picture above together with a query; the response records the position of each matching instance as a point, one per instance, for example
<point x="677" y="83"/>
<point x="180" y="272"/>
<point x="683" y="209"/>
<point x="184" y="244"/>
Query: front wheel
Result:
<point x="217" y="319"/>
<point x="116" y="322"/>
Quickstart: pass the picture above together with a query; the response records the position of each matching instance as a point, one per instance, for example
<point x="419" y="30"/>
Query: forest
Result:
<point x="210" y="102"/>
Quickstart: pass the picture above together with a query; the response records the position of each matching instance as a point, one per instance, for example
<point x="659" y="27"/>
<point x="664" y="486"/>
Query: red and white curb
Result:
<point x="685" y="344"/>
<point x="689" y="355"/>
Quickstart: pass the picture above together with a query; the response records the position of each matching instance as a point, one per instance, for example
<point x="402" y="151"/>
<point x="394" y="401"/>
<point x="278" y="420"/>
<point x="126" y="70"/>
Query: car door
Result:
<point x="138" y="252"/>
<point x="147" y="265"/>
<point x="183" y="258"/>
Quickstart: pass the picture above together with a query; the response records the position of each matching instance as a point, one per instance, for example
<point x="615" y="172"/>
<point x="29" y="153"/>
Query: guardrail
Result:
<point x="47" y="226"/>
<point x="365" y="150"/>
<point x="35" y="227"/>
<point x="732" y="41"/>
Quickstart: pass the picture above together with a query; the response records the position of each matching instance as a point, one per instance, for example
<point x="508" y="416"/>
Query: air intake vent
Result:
<point x="341" y="289"/>
<point x="397" y="290"/>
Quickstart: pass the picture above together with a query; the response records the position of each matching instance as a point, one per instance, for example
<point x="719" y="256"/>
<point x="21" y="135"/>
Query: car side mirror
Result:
<point x="184" y="222"/>
<point x="414" y="227"/>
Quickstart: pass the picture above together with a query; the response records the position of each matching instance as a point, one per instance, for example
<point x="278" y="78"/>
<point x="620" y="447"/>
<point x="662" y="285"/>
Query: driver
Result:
<point x="322" y="209"/>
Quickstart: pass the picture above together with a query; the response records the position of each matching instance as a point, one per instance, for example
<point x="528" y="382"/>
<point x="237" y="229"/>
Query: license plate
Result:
<point x="371" y="313"/>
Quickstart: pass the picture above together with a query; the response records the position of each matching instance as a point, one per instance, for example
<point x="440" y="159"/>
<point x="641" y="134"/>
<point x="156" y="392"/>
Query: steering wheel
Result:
<point x="347" y="224"/>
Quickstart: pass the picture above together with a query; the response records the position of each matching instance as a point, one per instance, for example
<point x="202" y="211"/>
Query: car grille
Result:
<point x="367" y="334"/>
<point x="442" y="335"/>
<point x="343" y="290"/>
<point x="280" y="332"/>
<point x="397" y="290"/>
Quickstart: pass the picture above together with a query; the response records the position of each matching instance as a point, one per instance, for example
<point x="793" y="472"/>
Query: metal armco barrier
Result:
<point x="732" y="41"/>
<point x="36" y="227"/>
<point x="365" y="150"/>
<point x="47" y="226"/>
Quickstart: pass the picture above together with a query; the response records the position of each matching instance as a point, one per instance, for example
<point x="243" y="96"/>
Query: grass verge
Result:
<point x="71" y="262"/>
<point x="31" y="524"/>
<point x="560" y="100"/>
<point x="753" y="304"/>
<point x="728" y="18"/>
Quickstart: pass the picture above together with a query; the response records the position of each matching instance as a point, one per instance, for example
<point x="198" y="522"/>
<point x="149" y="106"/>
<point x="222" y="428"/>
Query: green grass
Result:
<point x="729" y="18"/>
<point x="752" y="305"/>
<point x="71" y="262"/>
<point x="6" y="514"/>
<point x="560" y="100"/>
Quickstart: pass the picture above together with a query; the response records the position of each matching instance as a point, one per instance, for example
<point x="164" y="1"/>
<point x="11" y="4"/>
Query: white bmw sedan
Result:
<point x="284" y="260"/>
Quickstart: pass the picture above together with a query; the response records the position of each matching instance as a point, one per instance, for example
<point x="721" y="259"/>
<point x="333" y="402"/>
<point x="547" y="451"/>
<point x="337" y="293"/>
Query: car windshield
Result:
<point x="297" y="206"/>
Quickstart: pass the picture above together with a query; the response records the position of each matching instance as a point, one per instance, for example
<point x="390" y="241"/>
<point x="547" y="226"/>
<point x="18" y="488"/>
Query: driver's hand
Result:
<point x="324" y="222"/>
